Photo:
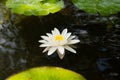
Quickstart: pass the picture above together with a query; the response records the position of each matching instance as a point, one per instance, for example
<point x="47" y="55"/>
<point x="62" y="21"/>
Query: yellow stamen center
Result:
<point x="59" y="38"/>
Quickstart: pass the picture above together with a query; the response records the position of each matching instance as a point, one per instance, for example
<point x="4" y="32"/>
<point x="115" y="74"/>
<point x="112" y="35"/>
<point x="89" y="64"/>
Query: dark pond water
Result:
<point x="98" y="53"/>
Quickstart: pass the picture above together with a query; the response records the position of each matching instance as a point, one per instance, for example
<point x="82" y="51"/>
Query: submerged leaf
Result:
<point x="35" y="7"/>
<point x="104" y="7"/>
<point x="47" y="73"/>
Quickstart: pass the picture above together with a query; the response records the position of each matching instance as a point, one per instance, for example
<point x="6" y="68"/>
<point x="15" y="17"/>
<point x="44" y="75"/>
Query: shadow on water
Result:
<point x="97" y="55"/>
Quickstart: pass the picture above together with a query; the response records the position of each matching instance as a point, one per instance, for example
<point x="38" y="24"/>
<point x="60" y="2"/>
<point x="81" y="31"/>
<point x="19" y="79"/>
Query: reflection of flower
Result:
<point x="59" y="42"/>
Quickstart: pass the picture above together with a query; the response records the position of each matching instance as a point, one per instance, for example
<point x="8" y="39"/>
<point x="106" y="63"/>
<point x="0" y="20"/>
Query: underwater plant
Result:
<point x="35" y="7"/>
<point x="58" y="41"/>
<point x="47" y="73"/>
<point x="104" y="7"/>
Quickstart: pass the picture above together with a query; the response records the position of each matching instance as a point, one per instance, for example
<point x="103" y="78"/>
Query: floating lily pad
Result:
<point x="35" y="7"/>
<point x="104" y="7"/>
<point x="47" y="73"/>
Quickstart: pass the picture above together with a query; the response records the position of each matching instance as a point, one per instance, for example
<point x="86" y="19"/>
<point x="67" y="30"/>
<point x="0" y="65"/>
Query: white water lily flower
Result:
<point x="58" y="41"/>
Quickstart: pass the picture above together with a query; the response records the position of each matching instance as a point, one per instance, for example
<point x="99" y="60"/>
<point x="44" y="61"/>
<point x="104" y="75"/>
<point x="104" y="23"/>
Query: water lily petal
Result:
<point x="74" y="41"/>
<point x="61" y="49"/>
<point x="60" y="55"/>
<point x="64" y="32"/>
<point x="70" y="49"/>
<point x="57" y="32"/>
<point x="49" y="35"/>
<point x="42" y="41"/>
<point x="45" y="38"/>
<point x="46" y="49"/>
<point x="71" y="37"/>
<point x="67" y="35"/>
<point x="53" y="32"/>
<point x="44" y="45"/>
<point x="52" y="50"/>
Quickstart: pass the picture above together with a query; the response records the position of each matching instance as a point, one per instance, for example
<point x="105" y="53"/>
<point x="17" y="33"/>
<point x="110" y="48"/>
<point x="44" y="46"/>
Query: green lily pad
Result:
<point x="104" y="7"/>
<point x="35" y="7"/>
<point x="47" y="73"/>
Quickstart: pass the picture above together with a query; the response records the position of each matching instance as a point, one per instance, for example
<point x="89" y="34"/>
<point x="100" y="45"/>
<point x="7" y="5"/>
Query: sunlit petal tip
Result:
<point x="46" y="49"/>
<point x="70" y="49"/>
<point x="49" y="35"/>
<point x="61" y="56"/>
<point x="44" y="37"/>
<point x="56" y="31"/>
<point x="71" y="37"/>
<point x="64" y="32"/>
<point x="52" y="50"/>
<point x="61" y="50"/>
<point x="66" y="29"/>
<point x="52" y="31"/>
<point x="75" y="52"/>
<point x="42" y="41"/>
<point x="78" y="40"/>
<point x="74" y="41"/>
<point x="44" y="45"/>
<point x="49" y="53"/>
<point x="39" y="40"/>
<point x="67" y="35"/>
